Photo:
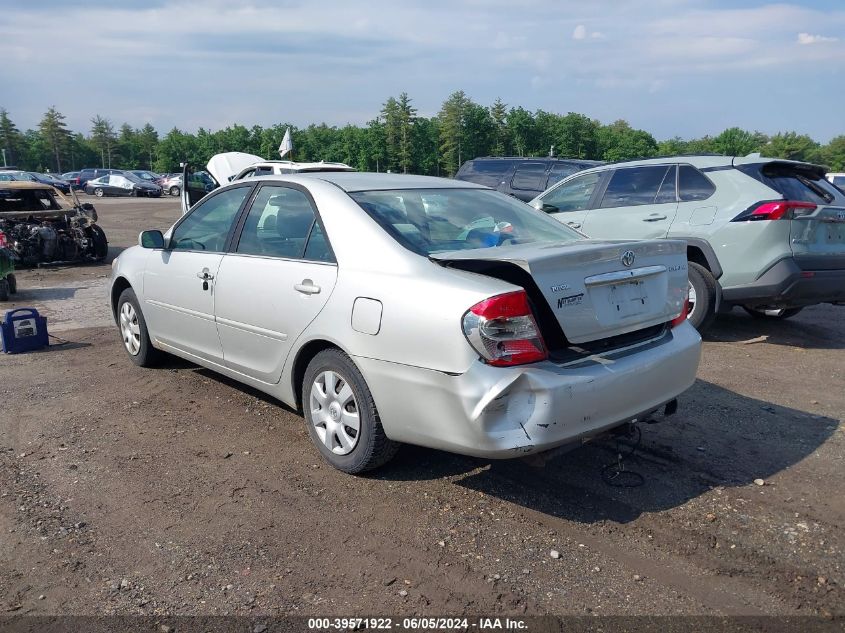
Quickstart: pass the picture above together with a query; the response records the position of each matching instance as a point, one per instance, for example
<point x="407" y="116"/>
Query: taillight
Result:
<point x="683" y="315"/>
<point x="3" y="242"/>
<point x="776" y="210"/>
<point x="503" y="331"/>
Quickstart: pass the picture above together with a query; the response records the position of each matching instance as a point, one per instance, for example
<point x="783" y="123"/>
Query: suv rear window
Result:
<point x="530" y="177"/>
<point x="795" y="183"/>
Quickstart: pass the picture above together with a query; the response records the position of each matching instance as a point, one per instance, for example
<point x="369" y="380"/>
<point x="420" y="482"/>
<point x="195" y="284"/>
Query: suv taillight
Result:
<point x="776" y="210"/>
<point x="503" y="331"/>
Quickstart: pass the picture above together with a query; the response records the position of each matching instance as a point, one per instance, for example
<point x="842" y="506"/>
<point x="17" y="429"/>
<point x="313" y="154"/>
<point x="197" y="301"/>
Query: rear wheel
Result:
<point x="4" y="290"/>
<point x="174" y="190"/>
<point x="133" y="331"/>
<point x="702" y="297"/>
<point x="341" y="415"/>
<point x="13" y="283"/>
<point x="98" y="192"/>
<point x="772" y="313"/>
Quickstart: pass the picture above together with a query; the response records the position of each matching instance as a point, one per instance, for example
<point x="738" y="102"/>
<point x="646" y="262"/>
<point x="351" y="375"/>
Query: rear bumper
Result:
<point x="788" y="284"/>
<point x="498" y="413"/>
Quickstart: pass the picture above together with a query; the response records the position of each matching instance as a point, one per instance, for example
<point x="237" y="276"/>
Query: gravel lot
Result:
<point x="176" y="491"/>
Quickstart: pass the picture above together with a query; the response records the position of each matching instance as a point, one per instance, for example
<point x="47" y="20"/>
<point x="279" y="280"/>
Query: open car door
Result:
<point x="195" y="186"/>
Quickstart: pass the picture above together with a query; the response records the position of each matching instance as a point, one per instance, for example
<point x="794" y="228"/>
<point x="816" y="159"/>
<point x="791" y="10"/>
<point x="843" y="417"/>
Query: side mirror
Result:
<point x="151" y="239"/>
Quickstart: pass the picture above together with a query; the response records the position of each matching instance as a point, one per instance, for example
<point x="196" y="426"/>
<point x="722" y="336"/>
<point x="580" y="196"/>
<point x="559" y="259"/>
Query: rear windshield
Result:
<point x="795" y="183"/>
<point x="429" y="221"/>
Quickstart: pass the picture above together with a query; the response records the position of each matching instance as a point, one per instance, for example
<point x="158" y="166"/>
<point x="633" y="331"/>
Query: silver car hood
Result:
<point x="595" y="289"/>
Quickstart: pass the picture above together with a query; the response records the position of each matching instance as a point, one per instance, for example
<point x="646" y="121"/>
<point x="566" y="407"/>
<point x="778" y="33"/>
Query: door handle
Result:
<point x="307" y="287"/>
<point x="654" y="218"/>
<point x="574" y="225"/>
<point x="205" y="275"/>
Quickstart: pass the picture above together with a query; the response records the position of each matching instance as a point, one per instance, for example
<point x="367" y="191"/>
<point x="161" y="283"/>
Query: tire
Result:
<point x="326" y="410"/>
<point x="13" y="284"/>
<point x="703" y="293"/>
<point x="4" y="290"/>
<point x="99" y="192"/>
<point x="136" y="340"/>
<point x="101" y="244"/>
<point x="174" y="191"/>
<point x="774" y="314"/>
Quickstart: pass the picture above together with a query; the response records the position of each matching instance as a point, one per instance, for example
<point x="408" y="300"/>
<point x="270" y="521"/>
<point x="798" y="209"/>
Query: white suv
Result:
<point x="231" y="166"/>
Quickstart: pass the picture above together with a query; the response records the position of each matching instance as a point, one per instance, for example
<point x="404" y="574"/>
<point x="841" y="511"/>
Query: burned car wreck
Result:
<point x="41" y="226"/>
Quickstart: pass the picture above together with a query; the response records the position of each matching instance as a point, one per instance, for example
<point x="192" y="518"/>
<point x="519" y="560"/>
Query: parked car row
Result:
<point x="33" y="176"/>
<point x="764" y="234"/>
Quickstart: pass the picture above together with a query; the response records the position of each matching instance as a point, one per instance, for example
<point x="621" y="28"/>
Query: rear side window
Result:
<point x="693" y="185"/>
<point x="530" y="177"/>
<point x="635" y="186"/>
<point x="839" y="181"/>
<point x="484" y="171"/>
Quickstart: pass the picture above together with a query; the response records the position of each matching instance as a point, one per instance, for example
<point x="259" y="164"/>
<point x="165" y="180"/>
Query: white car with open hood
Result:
<point x="394" y="308"/>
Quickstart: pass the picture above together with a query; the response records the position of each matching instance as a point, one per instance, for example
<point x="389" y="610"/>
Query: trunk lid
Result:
<point x="596" y="289"/>
<point x="819" y="233"/>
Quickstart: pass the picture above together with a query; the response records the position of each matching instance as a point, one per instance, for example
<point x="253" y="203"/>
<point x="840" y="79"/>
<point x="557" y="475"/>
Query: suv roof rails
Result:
<point x="588" y="160"/>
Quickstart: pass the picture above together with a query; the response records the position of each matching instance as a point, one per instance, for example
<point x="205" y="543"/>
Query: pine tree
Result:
<point x="407" y="117"/>
<point x="10" y="139"/>
<point x="147" y="143"/>
<point x="391" y="117"/>
<point x="501" y="139"/>
<point x="55" y="134"/>
<point x="451" y="118"/>
<point x="103" y="137"/>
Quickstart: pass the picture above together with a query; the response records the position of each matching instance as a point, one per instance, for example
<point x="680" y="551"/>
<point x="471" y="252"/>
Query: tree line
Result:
<point x="397" y="139"/>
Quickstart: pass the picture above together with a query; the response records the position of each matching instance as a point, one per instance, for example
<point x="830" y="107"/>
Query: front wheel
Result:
<point x="341" y="416"/>
<point x="133" y="331"/>
<point x="101" y="244"/>
<point x="702" y="290"/>
<point x="772" y="313"/>
<point x="4" y="290"/>
<point x="13" y="283"/>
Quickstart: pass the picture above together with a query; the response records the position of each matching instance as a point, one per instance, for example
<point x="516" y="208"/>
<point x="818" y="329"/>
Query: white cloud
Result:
<point x="807" y="38"/>
<point x="581" y="33"/>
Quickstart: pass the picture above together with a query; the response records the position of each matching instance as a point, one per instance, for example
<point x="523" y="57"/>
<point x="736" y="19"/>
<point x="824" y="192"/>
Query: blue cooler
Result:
<point x="23" y="330"/>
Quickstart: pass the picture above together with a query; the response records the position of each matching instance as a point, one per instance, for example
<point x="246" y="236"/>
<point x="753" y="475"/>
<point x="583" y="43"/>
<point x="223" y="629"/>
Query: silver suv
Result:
<point x="765" y="234"/>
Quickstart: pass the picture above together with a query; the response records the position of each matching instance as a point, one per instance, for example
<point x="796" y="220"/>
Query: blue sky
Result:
<point x="672" y="67"/>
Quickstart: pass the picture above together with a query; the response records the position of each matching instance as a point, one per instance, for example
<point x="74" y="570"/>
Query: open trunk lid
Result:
<point x="595" y="289"/>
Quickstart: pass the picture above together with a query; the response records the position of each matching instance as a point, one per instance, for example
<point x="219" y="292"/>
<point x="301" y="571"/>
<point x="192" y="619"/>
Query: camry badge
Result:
<point x="628" y="258"/>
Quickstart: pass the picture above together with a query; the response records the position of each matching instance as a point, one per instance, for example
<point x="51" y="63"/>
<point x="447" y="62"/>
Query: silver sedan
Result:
<point x="406" y="309"/>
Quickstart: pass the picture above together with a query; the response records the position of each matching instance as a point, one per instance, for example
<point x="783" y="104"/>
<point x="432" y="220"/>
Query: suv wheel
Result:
<point x="702" y="297"/>
<point x="772" y="313"/>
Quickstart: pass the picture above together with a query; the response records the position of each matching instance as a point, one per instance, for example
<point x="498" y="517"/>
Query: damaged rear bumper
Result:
<point x="496" y="412"/>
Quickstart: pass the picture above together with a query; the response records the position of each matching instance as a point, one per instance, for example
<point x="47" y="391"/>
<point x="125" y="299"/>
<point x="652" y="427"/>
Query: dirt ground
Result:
<point x="176" y="491"/>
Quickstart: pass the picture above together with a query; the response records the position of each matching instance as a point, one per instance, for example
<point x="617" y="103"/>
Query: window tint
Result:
<point x="561" y="171"/>
<point x="249" y="173"/>
<point x="263" y="171"/>
<point x="693" y="185"/>
<point x="839" y="181"/>
<point x="573" y="196"/>
<point x="207" y="226"/>
<point x="530" y="176"/>
<point x="484" y="171"/>
<point x="634" y="186"/>
<point x="804" y="186"/>
<point x="667" y="189"/>
<point x="278" y="224"/>
<point x="317" y="248"/>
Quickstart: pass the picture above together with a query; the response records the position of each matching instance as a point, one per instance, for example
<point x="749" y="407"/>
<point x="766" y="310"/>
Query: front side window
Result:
<point x="279" y="224"/>
<point x="574" y="195"/>
<point x="207" y="226"/>
<point x="428" y="221"/>
<point x="634" y="186"/>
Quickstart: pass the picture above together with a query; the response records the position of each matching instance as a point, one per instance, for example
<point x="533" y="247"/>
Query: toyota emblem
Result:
<point x="628" y="258"/>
